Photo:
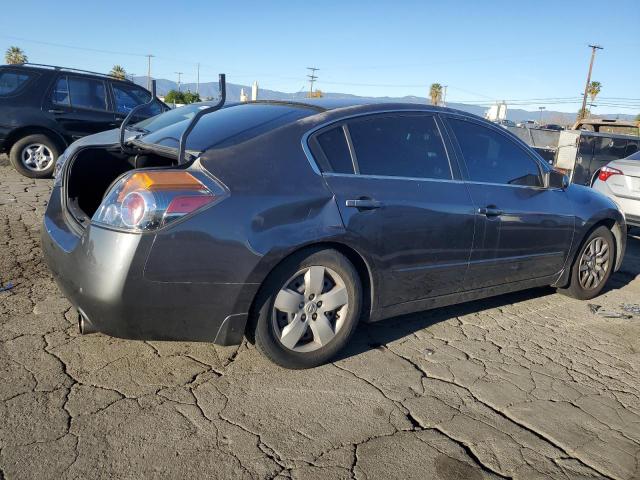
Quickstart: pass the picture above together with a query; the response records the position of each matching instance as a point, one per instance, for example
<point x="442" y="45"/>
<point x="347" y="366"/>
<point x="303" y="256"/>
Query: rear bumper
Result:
<point x="630" y="206"/>
<point x="102" y="275"/>
<point x="633" y="220"/>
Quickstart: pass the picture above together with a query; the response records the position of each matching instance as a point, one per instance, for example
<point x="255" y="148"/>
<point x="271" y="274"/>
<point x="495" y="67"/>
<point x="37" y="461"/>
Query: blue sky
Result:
<point x="483" y="50"/>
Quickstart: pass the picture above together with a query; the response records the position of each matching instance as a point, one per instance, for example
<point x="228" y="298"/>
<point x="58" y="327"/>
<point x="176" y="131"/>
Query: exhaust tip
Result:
<point x="84" y="325"/>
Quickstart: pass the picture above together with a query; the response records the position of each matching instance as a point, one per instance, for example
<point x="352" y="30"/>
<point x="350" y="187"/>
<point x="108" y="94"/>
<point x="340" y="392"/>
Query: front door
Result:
<point x="523" y="230"/>
<point x="401" y="201"/>
<point x="81" y="106"/>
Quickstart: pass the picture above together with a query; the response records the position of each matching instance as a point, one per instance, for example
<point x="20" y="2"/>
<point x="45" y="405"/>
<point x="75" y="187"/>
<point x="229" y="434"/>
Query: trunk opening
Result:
<point x="92" y="172"/>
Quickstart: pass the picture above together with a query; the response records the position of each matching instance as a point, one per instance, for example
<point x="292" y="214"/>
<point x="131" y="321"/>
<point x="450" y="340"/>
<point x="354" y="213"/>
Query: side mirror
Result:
<point x="556" y="179"/>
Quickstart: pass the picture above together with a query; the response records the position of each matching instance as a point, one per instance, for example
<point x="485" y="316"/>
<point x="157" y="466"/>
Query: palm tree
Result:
<point x="15" y="56"/>
<point x="118" y="72"/>
<point x="594" y="90"/>
<point x="435" y="92"/>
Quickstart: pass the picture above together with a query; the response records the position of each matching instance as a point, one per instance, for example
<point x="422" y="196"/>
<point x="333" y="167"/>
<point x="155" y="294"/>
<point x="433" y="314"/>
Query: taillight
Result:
<point x="606" y="172"/>
<point x="148" y="200"/>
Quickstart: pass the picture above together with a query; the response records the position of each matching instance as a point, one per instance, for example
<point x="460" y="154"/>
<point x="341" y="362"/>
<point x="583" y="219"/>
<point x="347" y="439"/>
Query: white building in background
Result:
<point x="254" y="91"/>
<point x="243" y="96"/>
<point x="496" y="112"/>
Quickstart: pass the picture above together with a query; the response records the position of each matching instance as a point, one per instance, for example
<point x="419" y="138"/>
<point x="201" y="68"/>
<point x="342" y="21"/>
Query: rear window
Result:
<point x="170" y="117"/>
<point x="12" y="81"/>
<point x="229" y="126"/>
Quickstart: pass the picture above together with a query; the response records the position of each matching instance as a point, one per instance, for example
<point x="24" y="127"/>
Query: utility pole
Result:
<point x="312" y="78"/>
<point x="149" y="56"/>
<point x="198" y="79"/>
<point x="542" y="109"/>
<point x="179" y="78"/>
<point x="586" y="87"/>
<point x="444" y="95"/>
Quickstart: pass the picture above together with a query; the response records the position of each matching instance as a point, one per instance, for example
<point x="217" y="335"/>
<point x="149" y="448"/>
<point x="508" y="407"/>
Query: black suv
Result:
<point x="44" y="108"/>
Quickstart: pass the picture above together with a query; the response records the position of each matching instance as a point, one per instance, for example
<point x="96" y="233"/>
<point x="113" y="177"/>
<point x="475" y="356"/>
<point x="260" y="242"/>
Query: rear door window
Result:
<point x="400" y="146"/>
<point x="12" y="81"/>
<point x="80" y="92"/>
<point x="492" y="157"/>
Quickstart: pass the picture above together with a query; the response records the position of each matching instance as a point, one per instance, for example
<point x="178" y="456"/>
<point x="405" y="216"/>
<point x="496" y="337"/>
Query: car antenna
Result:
<point x="222" y="85"/>
<point x="133" y="111"/>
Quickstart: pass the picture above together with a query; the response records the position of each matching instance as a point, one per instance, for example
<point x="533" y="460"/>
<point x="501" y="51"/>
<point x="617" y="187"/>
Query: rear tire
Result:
<point x="592" y="266"/>
<point x="34" y="156"/>
<point x="307" y="309"/>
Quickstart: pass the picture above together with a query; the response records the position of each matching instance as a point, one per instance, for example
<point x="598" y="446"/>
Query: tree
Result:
<point x="118" y="72"/>
<point x="593" y="90"/>
<point x="583" y="114"/>
<point x="638" y="118"/>
<point x="181" y="97"/>
<point x="15" y="56"/>
<point x="191" y="97"/>
<point x="435" y="92"/>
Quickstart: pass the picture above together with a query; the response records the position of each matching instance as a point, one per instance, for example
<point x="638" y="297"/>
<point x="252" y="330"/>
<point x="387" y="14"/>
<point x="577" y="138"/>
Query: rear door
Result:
<point x="402" y="200"/>
<point x="523" y="230"/>
<point x="81" y="105"/>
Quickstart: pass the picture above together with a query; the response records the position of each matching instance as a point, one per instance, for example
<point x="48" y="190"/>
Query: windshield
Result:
<point x="228" y="126"/>
<point x="170" y="117"/>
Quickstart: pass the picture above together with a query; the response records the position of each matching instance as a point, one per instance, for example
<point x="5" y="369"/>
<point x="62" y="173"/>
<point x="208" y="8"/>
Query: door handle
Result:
<point x="364" y="204"/>
<point x="490" y="211"/>
<point x="57" y="110"/>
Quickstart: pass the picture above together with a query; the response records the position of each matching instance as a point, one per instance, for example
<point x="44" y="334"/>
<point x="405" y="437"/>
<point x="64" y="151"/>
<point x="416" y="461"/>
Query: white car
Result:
<point x="620" y="180"/>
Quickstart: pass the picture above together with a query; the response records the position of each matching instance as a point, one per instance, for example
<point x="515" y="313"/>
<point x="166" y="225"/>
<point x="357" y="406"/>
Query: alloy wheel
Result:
<point x="594" y="263"/>
<point x="310" y="309"/>
<point x="37" y="157"/>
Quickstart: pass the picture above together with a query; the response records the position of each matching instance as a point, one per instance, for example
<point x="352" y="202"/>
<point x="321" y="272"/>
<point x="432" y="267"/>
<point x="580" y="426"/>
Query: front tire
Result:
<point x="34" y="156"/>
<point x="307" y="309"/>
<point x="593" y="265"/>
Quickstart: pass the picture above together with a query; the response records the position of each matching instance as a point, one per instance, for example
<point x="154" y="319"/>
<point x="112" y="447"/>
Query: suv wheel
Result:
<point x="308" y="309"/>
<point x="34" y="156"/>
<point x="593" y="266"/>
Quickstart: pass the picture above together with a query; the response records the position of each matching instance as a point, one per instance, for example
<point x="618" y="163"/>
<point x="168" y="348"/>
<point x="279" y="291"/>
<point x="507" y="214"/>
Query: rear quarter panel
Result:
<point x="592" y="208"/>
<point x="277" y="204"/>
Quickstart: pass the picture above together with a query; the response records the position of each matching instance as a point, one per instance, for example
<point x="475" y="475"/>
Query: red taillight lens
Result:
<point x="606" y="172"/>
<point x="147" y="200"/>
<point x="188" y="204"/>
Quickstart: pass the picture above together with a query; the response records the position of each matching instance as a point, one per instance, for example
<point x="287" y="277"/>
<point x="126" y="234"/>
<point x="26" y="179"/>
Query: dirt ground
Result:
<point x="528" y="385"/>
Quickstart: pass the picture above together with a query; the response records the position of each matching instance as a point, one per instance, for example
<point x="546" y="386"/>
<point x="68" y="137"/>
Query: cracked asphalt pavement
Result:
<point x="528" y="385"/>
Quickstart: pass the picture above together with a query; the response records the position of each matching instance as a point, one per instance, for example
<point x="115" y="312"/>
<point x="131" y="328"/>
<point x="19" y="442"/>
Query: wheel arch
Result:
<point x="618" y="236"/>
<point x="359" y="262"/>
<point x="22" y="132"/>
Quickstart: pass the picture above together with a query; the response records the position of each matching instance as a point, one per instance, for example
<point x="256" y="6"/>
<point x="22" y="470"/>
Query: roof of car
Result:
<point x="330" y="104"/>
<point x="42" y="66"/>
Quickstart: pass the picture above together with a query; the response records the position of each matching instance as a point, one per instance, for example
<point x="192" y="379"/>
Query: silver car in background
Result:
<point x="620" y="181"/>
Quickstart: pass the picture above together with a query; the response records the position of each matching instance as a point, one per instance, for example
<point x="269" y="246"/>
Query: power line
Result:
<point x="74" y="47"/>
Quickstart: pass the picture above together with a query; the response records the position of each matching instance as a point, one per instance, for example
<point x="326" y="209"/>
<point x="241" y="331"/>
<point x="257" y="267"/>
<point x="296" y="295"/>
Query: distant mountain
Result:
<point x="210" y="89"/>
